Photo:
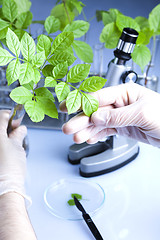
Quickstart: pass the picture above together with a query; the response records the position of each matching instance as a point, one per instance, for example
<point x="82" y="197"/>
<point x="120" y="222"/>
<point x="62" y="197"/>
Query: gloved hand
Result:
<point x="12" y="157"/>
<point x="128" y="109"/>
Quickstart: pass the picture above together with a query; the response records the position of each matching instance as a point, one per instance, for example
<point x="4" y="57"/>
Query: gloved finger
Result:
<point x="85" y="134"/>
<point x="77" y="123"/>
<point x="130" y="115"/>
<point x="18" y="134"/>
<point x="4" y="118"/>
<point x="106" y="132"/>
<point x="120" y="95"/>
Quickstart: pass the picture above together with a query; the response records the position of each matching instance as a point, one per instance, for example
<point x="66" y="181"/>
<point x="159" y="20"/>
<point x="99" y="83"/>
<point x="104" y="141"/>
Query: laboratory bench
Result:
<point x="131" y="209"/>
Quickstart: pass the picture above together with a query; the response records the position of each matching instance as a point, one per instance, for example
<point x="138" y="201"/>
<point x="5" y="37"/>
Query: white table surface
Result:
<point x="132" y="206"/>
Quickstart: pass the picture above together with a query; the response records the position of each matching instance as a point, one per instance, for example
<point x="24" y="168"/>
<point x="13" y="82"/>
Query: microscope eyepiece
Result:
<point x="126" y="44"/>
<point x="129" y="35"/>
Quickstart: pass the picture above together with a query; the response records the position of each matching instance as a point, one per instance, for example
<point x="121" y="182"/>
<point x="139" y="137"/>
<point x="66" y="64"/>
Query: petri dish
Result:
<point x="56" y="198"/>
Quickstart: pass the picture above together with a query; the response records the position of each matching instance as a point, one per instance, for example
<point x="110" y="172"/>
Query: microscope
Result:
<point x="116" y="151"/>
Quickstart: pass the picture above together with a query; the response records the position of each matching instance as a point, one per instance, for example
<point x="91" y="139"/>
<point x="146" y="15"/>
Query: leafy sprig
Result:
<point x="65" y="11"/>
<point x="16" y="15"/>
<point x="48" y="60"/>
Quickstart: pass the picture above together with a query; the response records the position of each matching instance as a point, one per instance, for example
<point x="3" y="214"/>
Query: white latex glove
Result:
<point x="12" y="157"/>
<point x="128" y="109"/>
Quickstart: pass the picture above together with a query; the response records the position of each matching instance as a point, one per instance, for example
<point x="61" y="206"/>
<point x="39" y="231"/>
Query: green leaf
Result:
<point x="13" y="42"/>
<point x="59" y="11"/>
<point x="47" y="70"/>
<point x="21" y="95"/>
<point x="126" y="22"/>
<point x="71" y="202"/>
<point x="48" y="107"/>
<point x="79" y="28"/>
<point x="37" y="76"/>
<point x="5" y="57"/>
<point x="92" y="84"/>
<point x="62" y="90"/>
<point x="3" y="24"/>
<point x="144" y="36"/>
<point x="52" y="24"/>
<point x="110" y="35"/>
<point x="78" y="73"/>
<point x="38" y="59"/>
<point x="27" y="47"/>
<point x="109" y="16"/>
<point x="19" y="33"/>
<point x="78" y="196"/>
<point x="141" y="56"/>
<point x="9" y="9"/>
<point x="26" y="73"/>
<point x="43" y="93"/>
<point x="62" y="42"/>
<point x="141" y="38"/>
<point x="61" y="57"/>
<point x="34" y="110"/>
<point x="13" y="70"/>
<point x="50" y="82"/>
<point x="3" y="33"/>
<point x="76" y="5"/>
<point x="142" y="21"/>
<point x="44" y="44"/>
<point x="89" y="104"/>
<point x="23" y="5"/>
<point x="60" y="70"/>
<point x="29" y="86"/>
<point x="73" y="101"/>
<point x="83" y="51"/>
<point x="99" y="15"/>
<point x="154" y="20"/>
<point x="24" y="20"/>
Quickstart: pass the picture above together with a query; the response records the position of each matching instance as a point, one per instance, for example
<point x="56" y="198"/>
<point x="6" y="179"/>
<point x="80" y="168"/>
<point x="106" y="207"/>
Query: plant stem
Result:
<point x="85" y="18"/>
<point x="66" y="10"/>
<point x="150" y="63"/>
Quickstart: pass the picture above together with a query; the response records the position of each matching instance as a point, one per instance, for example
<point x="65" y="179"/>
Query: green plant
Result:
<point x="62" y="18"/>
<point x="49" y="59"/>
<point x="14" y="14"/>
<point x="114" y="22"/>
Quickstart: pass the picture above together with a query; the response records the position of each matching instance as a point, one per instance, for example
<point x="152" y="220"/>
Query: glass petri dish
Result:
<point x="56" y="198"/>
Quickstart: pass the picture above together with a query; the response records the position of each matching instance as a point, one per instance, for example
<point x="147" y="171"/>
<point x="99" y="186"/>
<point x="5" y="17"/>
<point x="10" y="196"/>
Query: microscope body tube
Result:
<point x="118" y="72"/>
<point x="114" y="74"/>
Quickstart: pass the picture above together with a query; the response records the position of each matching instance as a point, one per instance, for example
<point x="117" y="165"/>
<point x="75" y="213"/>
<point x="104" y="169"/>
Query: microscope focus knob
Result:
<point x="129" y="76"/>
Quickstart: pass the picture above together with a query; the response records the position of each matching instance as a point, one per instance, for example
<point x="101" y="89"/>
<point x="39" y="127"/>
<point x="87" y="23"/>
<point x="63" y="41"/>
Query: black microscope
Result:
<point x="116" y="151"/>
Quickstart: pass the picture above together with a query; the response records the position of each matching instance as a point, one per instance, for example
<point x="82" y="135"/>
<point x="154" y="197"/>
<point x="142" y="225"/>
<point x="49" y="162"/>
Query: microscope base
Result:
<point x="108" y="170"/>
<point x="103" y="157"/>
<point x="124" y="151"/>
<point x="79" y="151"/>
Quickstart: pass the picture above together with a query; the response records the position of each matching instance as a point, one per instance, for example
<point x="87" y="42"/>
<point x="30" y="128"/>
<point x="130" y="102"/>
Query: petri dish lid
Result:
<point x="56" y="198"/>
